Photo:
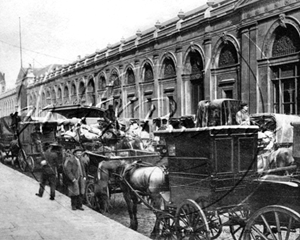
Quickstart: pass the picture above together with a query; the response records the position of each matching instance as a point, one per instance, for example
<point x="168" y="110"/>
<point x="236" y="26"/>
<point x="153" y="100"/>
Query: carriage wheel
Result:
<point x="238" y="222"/>
<point x="190" y="222"/>
<point x="214" y="223"/>
<point x="21" y="159"/>
<point x="90" y="195"/>
<point x="273" y="222"/>
<point x="166" y="227"/>
<point x="30" y="163"/>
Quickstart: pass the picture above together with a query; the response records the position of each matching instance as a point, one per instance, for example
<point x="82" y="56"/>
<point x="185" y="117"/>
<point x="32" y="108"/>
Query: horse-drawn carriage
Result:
<point x="214" y="183"/>
<point x="33" y="135"/>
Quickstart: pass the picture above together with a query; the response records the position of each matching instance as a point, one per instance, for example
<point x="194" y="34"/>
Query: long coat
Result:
<point x="71" y="168"/>
<point x="52" y="162"/>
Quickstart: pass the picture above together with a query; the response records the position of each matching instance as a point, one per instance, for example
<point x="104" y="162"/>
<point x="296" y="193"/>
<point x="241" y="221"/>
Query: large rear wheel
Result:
<point x="190" y="222"/>
<point x="273" y="222"/>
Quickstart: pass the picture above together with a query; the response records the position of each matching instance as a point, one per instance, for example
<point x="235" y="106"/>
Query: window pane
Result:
<point x="288" y="87"/>
<point x="276" y="98"/>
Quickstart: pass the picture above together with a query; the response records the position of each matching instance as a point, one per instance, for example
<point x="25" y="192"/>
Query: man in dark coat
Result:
<point x="75" y="171"/>
<point x="49" y="170"/>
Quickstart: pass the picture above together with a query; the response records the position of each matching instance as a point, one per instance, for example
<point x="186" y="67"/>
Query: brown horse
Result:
<point x="135" y="180"/>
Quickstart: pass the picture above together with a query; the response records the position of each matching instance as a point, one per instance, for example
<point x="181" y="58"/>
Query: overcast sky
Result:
<point x="57" y="31"/>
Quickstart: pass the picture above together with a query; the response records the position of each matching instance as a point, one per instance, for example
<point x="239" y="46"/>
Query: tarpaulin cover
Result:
<point x="280" y="124"/>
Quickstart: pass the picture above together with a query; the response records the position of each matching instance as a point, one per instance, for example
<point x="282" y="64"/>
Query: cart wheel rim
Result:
<point x="30" y="163"/>
<point x="90" y="195"/>
<point x="273" y="222"/>
<point x="166" y="226"/>
<point x="21" y="160"/>
<point x="191" y="222"/>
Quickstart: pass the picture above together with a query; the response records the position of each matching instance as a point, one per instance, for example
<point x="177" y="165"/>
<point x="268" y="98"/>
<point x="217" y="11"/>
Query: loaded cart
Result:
<point x="214" y="183"/>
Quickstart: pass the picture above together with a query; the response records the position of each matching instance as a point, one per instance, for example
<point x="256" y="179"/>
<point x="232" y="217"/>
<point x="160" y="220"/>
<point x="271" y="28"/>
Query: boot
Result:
<point x="73" y="202"/>
<point x="79" y="203"/>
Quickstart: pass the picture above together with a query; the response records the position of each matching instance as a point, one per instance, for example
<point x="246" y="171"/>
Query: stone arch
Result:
<point x="73" y="89"/>
<point x="59" y="94"/>
<point x="168" y="63"/>
<point x="66" y="94"/>
<point x="193" y="77"/>
<point x="53" y="94"/>
<point x="81" y="91"/>
<point x="287" y="22"/>
<point x="196" y="50"/>
<point x="147" y="72"/>
<point x="114" y="78"/>
<point x="129" y="74"/>
<point x="224" y="42"/>
<point x="91" y="91"/>
<point x="101" y="80"/>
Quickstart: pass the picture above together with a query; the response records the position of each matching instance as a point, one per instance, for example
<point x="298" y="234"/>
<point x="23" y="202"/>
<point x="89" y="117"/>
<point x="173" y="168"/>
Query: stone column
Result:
<point x="157" y="91"/>
<point x="138" y="79"/>
<point x="179" y="84"/>
<point x="253" y="78"/>
<point x="208" y="88"/>
<point x="245" y="67"/>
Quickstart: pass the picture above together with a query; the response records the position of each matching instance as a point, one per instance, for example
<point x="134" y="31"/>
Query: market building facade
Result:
<point x="242" y="49"/>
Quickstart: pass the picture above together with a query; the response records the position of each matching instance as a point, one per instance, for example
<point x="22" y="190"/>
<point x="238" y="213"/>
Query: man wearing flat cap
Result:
<point x="75" y="171"/>
<point x="242" y="116"/>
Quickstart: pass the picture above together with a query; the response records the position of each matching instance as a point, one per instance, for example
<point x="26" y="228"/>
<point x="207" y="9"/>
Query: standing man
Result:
<point x="242" y="117"/>
<point x="49" y="170"/>
<point x="75" y="171"/>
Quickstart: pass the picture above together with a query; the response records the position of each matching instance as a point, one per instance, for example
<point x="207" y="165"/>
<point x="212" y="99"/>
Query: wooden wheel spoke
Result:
<point x="278" y="225"/>
<point x="268" y="226"/>
<point x="289" y="228"/>
<point x="259" y="232"/>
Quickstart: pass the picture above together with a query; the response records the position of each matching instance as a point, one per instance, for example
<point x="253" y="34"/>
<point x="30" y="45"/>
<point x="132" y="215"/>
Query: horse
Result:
<point x="133" y="179"/>
<point x="282" y="157"/>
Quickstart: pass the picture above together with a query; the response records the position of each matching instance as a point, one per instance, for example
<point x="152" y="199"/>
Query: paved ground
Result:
<point x="24" y="216"/>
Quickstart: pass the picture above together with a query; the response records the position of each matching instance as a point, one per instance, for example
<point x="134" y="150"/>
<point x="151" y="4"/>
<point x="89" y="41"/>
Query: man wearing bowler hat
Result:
<point x="242" y="116"/>
<point x="75" y="171"/>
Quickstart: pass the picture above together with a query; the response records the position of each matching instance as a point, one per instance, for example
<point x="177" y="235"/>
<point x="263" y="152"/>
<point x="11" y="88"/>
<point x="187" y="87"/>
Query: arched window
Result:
<point x="286" y="41"/>
<point x="168" y="68"/>
<point x="285" y="77"/>
<point x="115" y="80"/>
<point x="91" y="86"/>
<point x="194" y="66"/>
<point x="148" y="72"/>
<point x="73" y="90"/>
<point x="81" y="89"/>
<point x="66" y="92"/>
<point x="228" y="55"/>
<point x="130" y="78"/>
<point x="101" y="83"/>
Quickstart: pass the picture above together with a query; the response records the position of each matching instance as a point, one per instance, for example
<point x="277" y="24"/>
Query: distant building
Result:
<point x="242" y="49"/>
